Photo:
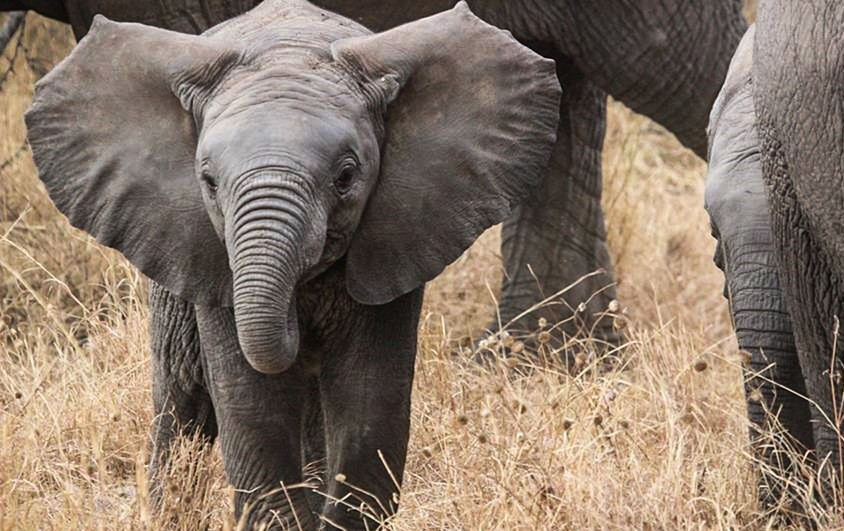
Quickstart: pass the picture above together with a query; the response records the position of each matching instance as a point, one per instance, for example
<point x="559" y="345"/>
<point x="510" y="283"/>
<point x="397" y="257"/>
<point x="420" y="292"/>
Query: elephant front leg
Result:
<point x="365" y="392"/>
<point x="557" y="236"/>
<point x="181" y="402"/>
<point x="260" y="420"/>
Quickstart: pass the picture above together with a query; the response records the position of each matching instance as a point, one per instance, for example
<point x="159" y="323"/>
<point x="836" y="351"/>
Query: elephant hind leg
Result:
<point x="815" y="296"/>
<point x="557" y="236"/>
<point x="181" y="402"/>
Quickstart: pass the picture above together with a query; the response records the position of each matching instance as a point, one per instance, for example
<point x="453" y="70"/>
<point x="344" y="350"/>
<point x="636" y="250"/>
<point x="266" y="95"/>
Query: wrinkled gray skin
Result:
<point x="665" y="59"/>
<point x="737" y="203"/>
<point x="800" y="124"/>
<point x="774" y="194"/>
<point x="290" y="181"/>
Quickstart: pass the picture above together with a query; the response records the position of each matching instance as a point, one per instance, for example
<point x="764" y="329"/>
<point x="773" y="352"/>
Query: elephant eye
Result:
<point x="210" y="184"/>
<point x="344" y="181"/>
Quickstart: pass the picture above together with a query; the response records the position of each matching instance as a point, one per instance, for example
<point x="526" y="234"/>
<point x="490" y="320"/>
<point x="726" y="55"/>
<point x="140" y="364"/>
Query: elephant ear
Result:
<point x="115" y="149"/>
<point x="468" y="135"/>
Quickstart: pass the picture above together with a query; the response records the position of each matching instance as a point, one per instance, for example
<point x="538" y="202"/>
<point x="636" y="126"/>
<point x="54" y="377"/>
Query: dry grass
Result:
<point x="657" y="445"/>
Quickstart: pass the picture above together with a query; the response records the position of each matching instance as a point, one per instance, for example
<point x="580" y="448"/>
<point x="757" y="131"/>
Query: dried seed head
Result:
<point x="567" y="424"/>
<point x="755" y="395"/>
<point x="503" y="335"/>
<point x="340" y="478"/>
<point x="613" y="306"/>
<point x="543" y="322"/>
<point x="508" y="341"/>
<point x="462" y="420"/>
<point x="580" y="359"/>
<point x="18" y="395"/>
<point x="581" y="307"/>
<point x="517" y="347"/>
<point x="482" y="439"/>
<point x="700" y="365"/>
<point x="511" y="363"/>
<point x="544" y="337"/>
<point x="619" y="322"/>
<point x="598" y="420"/>
<point x="483" y="343"/>
<point x="624" y="424"/>
<point x="427" y="453"/>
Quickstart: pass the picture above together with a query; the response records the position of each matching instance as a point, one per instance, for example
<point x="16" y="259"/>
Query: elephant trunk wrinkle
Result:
<point x="273" y="244"/>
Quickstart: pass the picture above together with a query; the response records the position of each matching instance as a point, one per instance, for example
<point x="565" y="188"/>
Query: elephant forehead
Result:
<point x="306" y="82"/>
<point x="306" y="137"/>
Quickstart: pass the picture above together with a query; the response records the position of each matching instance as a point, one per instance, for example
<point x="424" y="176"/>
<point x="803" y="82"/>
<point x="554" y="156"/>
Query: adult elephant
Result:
<point x="774" y="195"/>
<point x="797" y="75"/>
<point x="663" y="58"/>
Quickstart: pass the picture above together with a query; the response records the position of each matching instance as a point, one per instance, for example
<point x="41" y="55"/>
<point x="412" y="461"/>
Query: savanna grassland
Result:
<point x="659" y="442"/>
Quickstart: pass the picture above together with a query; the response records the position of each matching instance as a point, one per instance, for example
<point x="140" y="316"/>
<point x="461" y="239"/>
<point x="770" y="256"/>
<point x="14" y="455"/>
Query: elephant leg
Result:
<point x="313" y="445"/>
<point x="181" y="402"/>
<point x="815" y="293"/>
<point x="366" y="385"/>
<point x="260" y="421"/>
<point x="557" y="236"/>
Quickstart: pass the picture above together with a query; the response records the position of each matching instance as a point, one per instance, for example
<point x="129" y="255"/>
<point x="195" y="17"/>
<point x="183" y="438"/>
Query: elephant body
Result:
<point x="343" y="407"/>
<point x="774" y="194"/>
<point x="664" y="59"/>
<point x="800" y="128"/>
<point x="255" y="173"/>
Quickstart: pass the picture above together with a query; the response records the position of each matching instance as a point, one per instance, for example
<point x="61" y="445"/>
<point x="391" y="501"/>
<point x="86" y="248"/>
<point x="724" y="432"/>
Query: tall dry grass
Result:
<point x="659" y="443"/>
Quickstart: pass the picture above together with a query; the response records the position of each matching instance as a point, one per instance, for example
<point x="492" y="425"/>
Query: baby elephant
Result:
<point x="289" y="181"/>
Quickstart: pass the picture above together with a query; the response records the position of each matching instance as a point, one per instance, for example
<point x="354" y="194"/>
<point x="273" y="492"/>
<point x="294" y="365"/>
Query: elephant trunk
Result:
<point x="773" y="379"/>
<point x="274" y="238"/>
<point x="763" y="330"/>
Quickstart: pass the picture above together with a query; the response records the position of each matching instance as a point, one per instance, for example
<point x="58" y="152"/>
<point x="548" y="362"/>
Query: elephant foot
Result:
<point x="281" y="508"/>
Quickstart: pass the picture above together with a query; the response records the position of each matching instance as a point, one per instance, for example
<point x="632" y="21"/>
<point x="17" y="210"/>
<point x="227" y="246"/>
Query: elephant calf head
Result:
<point x="232" y="166"/>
